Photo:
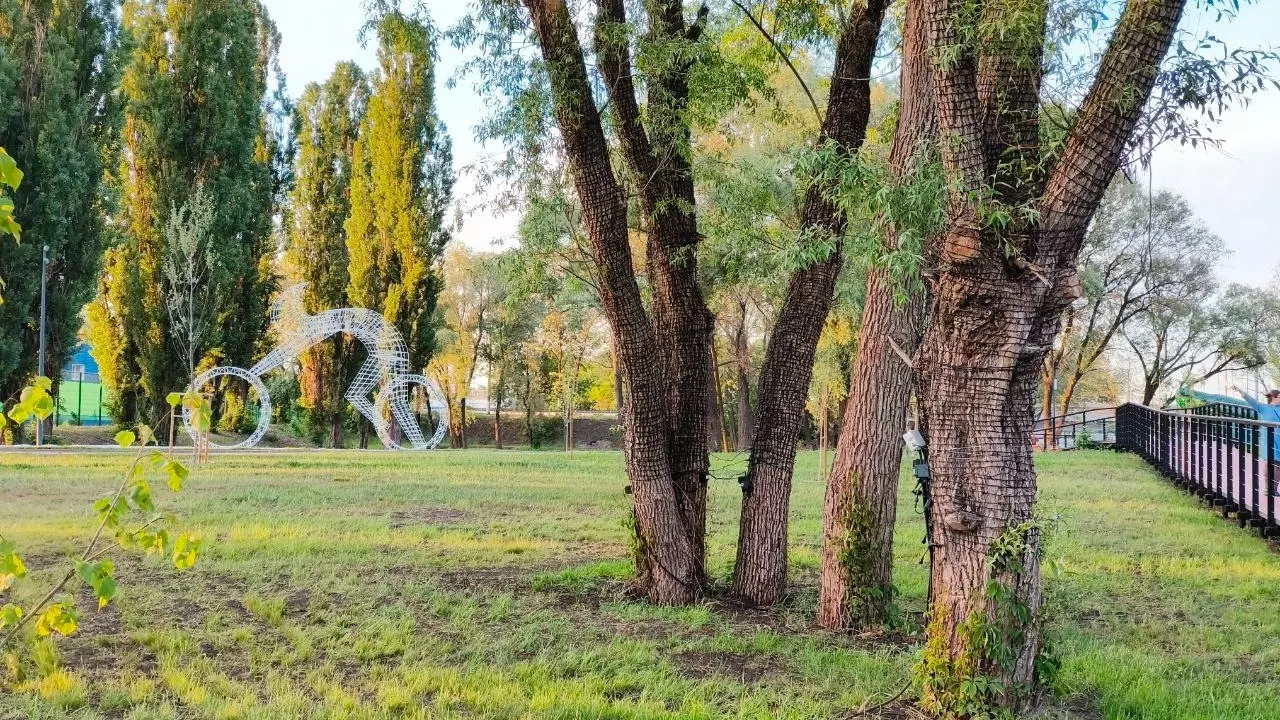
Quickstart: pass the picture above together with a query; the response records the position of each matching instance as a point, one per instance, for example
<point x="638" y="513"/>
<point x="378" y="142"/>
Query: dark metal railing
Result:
<point x="1066" y="430"/>
<point x="1230" y="462"/>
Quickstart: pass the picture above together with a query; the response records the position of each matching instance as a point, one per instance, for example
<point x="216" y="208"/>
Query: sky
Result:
<point x="1236" y="190"/>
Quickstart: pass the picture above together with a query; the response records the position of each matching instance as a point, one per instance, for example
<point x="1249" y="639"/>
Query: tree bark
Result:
<point x="760" y="569"/>
<point x="664" y="441"/>
<point x="996" y="307"/>
<point x="856" y="588"/>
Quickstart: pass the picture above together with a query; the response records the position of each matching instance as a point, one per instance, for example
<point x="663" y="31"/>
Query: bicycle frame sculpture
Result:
<point x="387" y="366"/>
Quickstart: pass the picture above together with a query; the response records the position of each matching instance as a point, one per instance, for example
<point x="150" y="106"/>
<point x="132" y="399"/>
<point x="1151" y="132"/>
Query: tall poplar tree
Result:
<point x="328" y="121"/>
<point x="401" y="182"/>
<point x="58" y="119"/>
<point x="196" y="114"/>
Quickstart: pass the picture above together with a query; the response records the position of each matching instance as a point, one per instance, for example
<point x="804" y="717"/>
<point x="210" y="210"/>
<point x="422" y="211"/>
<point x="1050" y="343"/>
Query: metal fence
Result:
<point x="1067" y="431"/>
<point x="81" y="400"/>
<point x="1230" y="462"/>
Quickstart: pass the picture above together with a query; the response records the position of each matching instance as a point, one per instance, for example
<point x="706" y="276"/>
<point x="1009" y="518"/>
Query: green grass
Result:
<point x="485" y="584"/>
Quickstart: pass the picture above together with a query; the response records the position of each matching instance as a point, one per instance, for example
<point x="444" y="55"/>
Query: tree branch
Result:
<point x="785" y="58"/>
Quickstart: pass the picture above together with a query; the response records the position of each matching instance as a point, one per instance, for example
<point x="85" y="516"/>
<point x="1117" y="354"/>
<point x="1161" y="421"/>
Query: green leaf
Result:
<point x="145" y="434"/>
<point x="19" y="413"/>
<point x="43" y="383"/>
<point x="158" y="542"/>
<point x="11" y="566"/>
<point x="177" y="473"/>
<point x="185" y="551"/>
<point x="125" y="438"/>
<point x="42" y="407"/>
<point x="10" y="175"/>
<point x="140" y="496"/>
<point x="10" y="226"/>
<point x="57" y="618"/>
<point x="98" y="576"/>
<point x="10" y="615"/>
<point x="105" y="590"/>
<point x="202" y="419"/>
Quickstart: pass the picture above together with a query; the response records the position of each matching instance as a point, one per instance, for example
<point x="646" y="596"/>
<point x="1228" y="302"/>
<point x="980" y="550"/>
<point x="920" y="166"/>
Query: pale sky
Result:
<point x="1236" y="190"/>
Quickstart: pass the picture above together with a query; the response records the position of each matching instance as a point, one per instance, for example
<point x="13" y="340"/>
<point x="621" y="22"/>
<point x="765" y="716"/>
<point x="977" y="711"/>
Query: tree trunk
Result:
<point x="862" y="494"/>
<point x="1149" y="391"/>
<point x="742" y="364"/>
<point x="497" y="415"/>
<point x="528" y="427"/>
<point x="1049" y="431"/>
<point x="716" y="436"/>
<point x="997" y="304"/>
<point x="1068" y="392"/>
<point x="760" y="570"/>
<point x="856" y="588"/>
<point x="673" y="570"/>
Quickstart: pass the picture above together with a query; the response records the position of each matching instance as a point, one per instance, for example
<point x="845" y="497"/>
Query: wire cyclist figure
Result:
<point x="387" y="365"/>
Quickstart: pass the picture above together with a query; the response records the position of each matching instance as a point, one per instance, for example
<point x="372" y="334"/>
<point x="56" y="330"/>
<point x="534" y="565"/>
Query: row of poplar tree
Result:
<point x="168" y="172"/>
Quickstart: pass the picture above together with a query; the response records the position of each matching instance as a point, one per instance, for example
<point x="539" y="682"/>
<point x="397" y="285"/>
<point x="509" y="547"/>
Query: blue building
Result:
<point x="81" y="365"/>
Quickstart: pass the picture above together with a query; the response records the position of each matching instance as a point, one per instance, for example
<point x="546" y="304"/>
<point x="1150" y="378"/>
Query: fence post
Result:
<point x="1271" y="475"/>
<point x="1254" y="447"/>
<point x="1195" y="450"/>
<point x="1230" y="475"/>
<point x="1237" y="459"/>
<point x="1215" y="455"/>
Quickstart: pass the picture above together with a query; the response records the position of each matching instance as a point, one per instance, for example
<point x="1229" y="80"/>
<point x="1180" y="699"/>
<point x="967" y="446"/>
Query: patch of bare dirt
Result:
<point x="428" y="516"/>
<point x="745" y="668"/>
<point x="295" y="603"/>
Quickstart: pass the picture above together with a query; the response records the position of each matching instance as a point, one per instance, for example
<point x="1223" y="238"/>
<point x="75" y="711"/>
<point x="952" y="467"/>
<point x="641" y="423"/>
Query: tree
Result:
<point x="1005" y="272"/>
<point x="1141" y="248"/>
<point x="1192" y="336"/>
<point x="856" y="588"/>
<point x="328" y="119"/>
<point x="471" y="289"/>
<point x="197" y="114"/>
<point x="760" y="570"/>
<point x="665" y="417"/>
<point x="188" y="262"/>
<point x="59" y="118"/>
<point x="512" y="320"/>
<point x="402" y="180"/>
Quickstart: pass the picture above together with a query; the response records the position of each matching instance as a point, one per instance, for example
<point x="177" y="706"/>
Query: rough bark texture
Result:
<point x="658" y="158"/>
<point x="664" y="428"/>
<point x="760" y="571"/>
<point x="856" y="587"/>
<point x="996" y="307"/>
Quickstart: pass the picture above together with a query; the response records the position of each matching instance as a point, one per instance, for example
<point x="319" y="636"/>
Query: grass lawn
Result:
<point x="486" y="584"/>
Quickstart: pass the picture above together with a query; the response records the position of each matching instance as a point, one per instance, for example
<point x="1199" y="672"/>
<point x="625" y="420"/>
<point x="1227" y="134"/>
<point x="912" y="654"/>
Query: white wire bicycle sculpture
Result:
<point x="387" y="365"/>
